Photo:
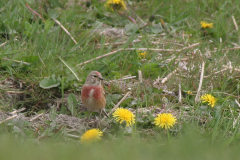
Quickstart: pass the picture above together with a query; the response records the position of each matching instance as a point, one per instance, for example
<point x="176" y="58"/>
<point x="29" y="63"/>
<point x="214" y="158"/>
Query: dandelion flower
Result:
<point x="206" y="25"/>
<point x="122" y="115"/>
<point x="142" y="54"/>
<point x="165" y="120"/>
<point x="116" y="5"/>
<point x="209" y="99"/>
<point x="91" y="135"/>
<point x="189" y="92"/>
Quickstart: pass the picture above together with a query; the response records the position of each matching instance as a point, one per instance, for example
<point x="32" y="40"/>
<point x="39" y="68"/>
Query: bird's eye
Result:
<point x="95" y="76"/>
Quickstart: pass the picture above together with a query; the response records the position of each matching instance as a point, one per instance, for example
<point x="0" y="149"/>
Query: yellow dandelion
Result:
<point x="91" y="135"/>
<point x="206" y="25"/>
<point x="116" y="5"/>
<point x="165" y="120"/>
<point x="189" y="92"/>
<point x="142" y="54"/>
<point x="122" y="115"/>
<point x="209" y="99"/>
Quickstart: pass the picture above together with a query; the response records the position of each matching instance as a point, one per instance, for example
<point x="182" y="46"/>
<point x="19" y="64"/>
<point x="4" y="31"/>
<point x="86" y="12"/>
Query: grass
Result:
<point x="195" y="147"/>
<point x="40" y="62"/>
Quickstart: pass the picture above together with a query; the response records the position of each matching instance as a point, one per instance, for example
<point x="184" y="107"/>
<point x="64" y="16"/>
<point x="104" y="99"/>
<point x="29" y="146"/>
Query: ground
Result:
<point x="155" y="57"/>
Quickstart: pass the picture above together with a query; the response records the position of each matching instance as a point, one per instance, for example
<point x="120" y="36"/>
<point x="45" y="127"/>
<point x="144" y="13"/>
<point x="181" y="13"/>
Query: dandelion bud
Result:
<point x="151" y="18"/>
<point x="88" y="3"/>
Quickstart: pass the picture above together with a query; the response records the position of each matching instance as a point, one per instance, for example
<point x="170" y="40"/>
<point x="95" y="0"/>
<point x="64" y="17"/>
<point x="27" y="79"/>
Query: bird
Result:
<point x="93" y="94"/>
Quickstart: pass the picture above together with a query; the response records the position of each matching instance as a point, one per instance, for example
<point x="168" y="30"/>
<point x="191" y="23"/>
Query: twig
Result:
<point x="235" y="121"/>
<point x="140" y="76"/>
<point x="65" y="30"/>
<point x="237" y="103"/>
<point x="193" y="45"/>
<point x="136" y="15"/>
<point x="20" y="130"/>
<point x="227" y="94"/>
<point x="105" y="55"/>
<point x="118" y="43"/>
<point x="41" y="60"/>
<point x="104" y="129"/>
<point x="39" y="15"/>
<point x="17" y="111"/>
<point x="131" y="19"/>
<point x="162" y="110"/>
<point x="179" y="94"/>
<point x="145" y="25"/>
<point x="14" y="92"/>
<point x="36" y="117"/>
<point x="5" y="6"/>
<point x="200" y="84"/>
<point x="227" y="49"/>
<point x="16" y="61"/>
<point x="117" y="105"/>
<point x="170" y="59"/>
<point x="157" y="81"/>
<point x="231" y="68"/>
<point x="230" y="110"/>
<point x="154" y="49"/>
<point x="3" y="44"/>
<point x="140" y="49"/>
<point x="58" y="129"/>
<point x="152" y="35"/>
<point x="73" y="136"/>
<point x="216" y="72"/>
<point x="235" y="23"/>
<point x="168" y="92"/>
<point x="130" y="77"/>
<point x="70" y="69"/>
<point x="9" y="118"/>
<point x="169" y="76"/>
<point x="235" y="44"/>
<point x="165" y="43"/>
<point x="182" y="59"/>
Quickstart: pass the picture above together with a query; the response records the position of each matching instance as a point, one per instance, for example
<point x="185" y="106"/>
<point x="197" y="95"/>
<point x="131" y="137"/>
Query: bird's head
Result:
<point x="94" y="78"/>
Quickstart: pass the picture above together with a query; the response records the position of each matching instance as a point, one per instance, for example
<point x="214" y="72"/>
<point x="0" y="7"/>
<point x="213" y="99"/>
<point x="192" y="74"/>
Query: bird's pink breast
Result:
<point x="93" y="98"/>
<point x="96" y="92"/>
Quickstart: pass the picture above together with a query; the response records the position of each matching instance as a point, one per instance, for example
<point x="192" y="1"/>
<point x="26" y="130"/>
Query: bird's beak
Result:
<point x="101" y="78"/>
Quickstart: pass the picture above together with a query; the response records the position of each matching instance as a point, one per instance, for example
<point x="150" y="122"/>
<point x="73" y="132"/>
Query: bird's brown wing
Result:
<point x="103" y="90"/>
